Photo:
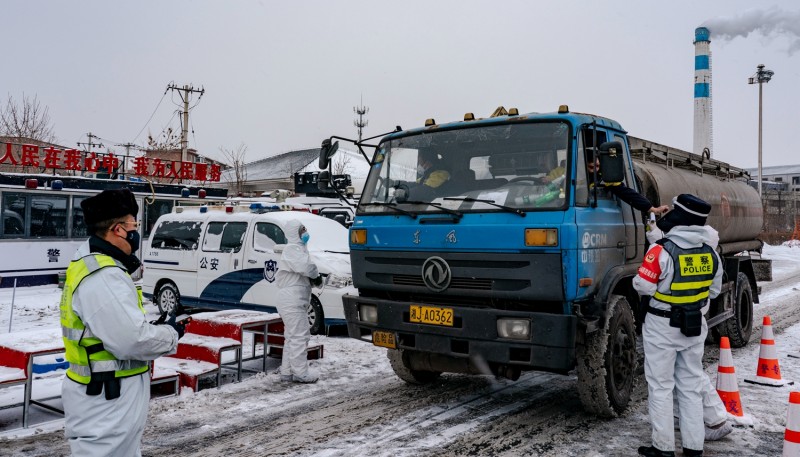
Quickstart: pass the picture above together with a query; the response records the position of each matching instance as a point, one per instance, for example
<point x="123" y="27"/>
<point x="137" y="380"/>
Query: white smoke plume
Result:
<point x="770" y="23"/>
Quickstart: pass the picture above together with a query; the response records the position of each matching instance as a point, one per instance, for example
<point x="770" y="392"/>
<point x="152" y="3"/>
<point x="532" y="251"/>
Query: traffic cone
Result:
<point x="791" y="437"/>
<point x="768" y="372"/>
<point x="727" y="387"/>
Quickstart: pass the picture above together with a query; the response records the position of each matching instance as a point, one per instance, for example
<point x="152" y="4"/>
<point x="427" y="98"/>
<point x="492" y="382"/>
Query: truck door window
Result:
<point x="583" y="183"/>
<point x="224" y="236"/>
<point x="179" y="235"/>
<point x="266" y="236"/>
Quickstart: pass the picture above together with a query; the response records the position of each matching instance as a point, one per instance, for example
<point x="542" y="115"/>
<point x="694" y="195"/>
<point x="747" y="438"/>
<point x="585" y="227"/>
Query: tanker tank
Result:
<point x="736" y="210"/>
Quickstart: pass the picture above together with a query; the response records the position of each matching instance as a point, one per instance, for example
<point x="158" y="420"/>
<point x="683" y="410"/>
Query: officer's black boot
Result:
<point x="692" y="453"/>
<point x="652" y="451"/>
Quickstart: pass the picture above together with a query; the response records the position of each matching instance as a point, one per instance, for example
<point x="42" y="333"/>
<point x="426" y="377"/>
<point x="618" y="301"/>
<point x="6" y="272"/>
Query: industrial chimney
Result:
<point x="703" y="138"/>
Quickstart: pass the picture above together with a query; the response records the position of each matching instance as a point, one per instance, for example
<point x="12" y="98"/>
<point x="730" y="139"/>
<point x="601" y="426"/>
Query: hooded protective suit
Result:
<point x="295" y="269"/>
<point x="107" y="303"/>
<point x="673" y="360"/>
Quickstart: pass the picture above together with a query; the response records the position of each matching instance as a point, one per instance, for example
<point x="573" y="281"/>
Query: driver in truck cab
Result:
<point x="429" y="169"/>
<point x="623" y="192"/>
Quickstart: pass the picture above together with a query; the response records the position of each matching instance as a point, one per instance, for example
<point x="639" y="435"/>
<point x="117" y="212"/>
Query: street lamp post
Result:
<point x="762" y="76"/>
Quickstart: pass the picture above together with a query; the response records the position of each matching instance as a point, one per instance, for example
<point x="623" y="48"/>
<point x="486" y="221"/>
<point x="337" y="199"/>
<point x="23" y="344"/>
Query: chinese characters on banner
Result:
<point x="75" y="160"/>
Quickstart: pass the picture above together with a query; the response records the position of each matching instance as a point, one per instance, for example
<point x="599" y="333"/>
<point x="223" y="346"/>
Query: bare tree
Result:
<point x="28" y="120"/>
<point x="341" y="164"/>
<point x="235" y="158"/>
<point x="165" y="141"/>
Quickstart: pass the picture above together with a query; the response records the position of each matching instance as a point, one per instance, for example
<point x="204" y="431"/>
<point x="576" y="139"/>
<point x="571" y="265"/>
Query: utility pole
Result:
<point x="185" y="92"/>
<point x="90" y="144"/>
<point x="762" y="76"/>
<point x="360" y="122"/>
<point x="127" y="147"/>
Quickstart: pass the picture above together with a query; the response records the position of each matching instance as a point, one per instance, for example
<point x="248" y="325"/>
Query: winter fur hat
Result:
<point x="687" y="210"/>
<point x="109" y="204"/>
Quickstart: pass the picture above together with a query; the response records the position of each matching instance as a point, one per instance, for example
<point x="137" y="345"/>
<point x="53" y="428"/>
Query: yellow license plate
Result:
<point x="431" y="315"/>
<point x="384" y="339"/>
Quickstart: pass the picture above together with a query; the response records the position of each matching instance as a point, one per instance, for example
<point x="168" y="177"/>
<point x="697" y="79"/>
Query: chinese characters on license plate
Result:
<point x="431" y="315"/>
<point x="384" y="339"/>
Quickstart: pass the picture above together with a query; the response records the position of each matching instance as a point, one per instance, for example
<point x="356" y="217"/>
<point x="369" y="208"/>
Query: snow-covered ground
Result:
<point x="395" y="419"/>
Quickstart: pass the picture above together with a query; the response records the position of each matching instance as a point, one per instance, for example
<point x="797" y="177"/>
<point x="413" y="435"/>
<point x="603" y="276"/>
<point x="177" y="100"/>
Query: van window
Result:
<point x="267" y="236"/>
<point x="154" y="210"/>
<point x="181" y="235"/>
<point x="224" y="236"/>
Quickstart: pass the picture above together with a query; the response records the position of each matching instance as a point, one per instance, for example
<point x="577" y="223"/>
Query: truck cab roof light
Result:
<point x="513" y="112"/>
<point x="429" y="122"/>
<point x="563" y="109"/>
<point x="469" y="117"/>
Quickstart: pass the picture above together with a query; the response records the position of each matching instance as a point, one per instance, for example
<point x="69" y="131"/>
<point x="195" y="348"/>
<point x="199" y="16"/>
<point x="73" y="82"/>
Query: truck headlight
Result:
<point x="515" y="329"/>
<point x="337" y="282"/>
<point x="368" y="313"/>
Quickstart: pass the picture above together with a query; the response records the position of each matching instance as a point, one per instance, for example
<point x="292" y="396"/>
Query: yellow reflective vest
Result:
<point x="84" y="350"/>
<point x="694" y="271"/>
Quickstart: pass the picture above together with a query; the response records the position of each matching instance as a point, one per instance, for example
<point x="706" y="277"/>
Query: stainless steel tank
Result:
<point x="736" y="211"/>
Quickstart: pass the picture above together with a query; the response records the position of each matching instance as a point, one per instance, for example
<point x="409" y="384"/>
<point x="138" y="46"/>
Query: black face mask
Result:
<point x="133" y="239"/>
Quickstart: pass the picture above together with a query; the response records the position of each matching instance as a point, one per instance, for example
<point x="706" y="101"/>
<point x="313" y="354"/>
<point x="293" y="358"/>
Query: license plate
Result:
<point x="431" y="315"/>
<point x="384" y="339"/>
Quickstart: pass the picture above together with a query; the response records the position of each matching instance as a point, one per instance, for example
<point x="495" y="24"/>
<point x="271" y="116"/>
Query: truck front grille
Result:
<point x="455" y="283"/>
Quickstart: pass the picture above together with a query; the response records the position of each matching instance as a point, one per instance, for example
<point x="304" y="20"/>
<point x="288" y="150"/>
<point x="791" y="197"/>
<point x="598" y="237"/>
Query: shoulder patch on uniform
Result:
<point x="650" y="269"/>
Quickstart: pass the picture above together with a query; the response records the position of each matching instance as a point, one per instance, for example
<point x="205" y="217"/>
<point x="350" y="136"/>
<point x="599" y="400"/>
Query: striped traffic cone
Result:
<point x="768" y="372"/>
<point x="791" y="437"/>
<point x="727" y="387"/>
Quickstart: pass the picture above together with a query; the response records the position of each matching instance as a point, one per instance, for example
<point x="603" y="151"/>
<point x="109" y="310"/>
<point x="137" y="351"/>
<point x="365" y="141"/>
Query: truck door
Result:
<point x="261" y="263"/>
<point x="633" y="233"/>
<point x="219" y="269"/>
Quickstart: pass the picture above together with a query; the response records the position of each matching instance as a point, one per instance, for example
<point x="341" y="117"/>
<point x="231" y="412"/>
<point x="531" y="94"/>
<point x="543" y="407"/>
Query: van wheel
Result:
<point x="316" y="317"/>
<point x="168" y="299"/>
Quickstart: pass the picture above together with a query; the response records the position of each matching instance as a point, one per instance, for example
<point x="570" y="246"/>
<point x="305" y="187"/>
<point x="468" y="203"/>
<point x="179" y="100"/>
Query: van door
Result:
<point x="261" y="262"/>
<point x="220" y="268"/>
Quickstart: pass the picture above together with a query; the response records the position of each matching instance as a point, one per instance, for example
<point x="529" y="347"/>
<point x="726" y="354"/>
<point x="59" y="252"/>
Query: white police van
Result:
<point x="227" y="257"/>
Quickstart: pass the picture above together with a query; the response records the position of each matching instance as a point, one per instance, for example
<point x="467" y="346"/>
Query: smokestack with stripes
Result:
<point x="702" y="92"/>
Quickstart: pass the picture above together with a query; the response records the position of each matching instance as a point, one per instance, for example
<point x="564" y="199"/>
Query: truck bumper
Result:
<point x="551" y="346"/>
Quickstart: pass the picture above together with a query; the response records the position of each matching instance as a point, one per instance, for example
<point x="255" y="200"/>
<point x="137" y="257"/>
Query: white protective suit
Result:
<point x="714" y="412"/>
<point x="295" y="269"/>
<point x="673" y="361"/>
<point x="106" y="302"/>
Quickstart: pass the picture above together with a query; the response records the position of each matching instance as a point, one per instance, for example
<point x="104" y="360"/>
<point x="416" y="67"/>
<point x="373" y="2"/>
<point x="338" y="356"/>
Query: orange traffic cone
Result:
<point x="727" y="387"/>
<point x="768" y="372"/>
<point x="791" y="437"/>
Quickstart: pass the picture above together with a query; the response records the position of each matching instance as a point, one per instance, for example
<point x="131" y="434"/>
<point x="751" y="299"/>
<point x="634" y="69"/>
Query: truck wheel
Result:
<point x="168" y="299"/>
<point x="316" y="316"/>
<point x="739" y="326"/>
<point x="401" y="369"/>
<point x="607" y="362"/>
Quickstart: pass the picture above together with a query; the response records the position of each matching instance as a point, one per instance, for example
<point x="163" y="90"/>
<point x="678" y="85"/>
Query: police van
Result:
<point x="226" y="257"/>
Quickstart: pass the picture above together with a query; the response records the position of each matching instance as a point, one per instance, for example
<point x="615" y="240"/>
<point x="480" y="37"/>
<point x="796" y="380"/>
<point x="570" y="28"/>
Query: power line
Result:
<point x="151" y="116"/>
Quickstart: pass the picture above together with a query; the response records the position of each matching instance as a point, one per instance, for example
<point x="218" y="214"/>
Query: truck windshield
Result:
<point x="520" y="166"/>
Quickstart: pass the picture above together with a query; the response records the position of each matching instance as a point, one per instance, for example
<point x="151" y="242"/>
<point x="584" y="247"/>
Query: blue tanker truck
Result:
<point x="517" y="258"/>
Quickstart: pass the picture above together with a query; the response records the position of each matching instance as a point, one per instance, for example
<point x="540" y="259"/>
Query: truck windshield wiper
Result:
<point x="488" y="202"/>
<point x="392" y="206"/>
<point x="437" y="206"/>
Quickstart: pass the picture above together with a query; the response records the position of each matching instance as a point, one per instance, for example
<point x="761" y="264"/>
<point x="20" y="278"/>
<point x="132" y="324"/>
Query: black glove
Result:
<point x="316" y="282"/>
<point x="179" y="327"/>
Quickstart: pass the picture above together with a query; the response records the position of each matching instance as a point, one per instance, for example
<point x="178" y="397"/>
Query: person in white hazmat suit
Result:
<point x="295" y="274"/>
<point x="715" y="416"/>
<point x="108" y="343"/>
<point x="681" y="272"/>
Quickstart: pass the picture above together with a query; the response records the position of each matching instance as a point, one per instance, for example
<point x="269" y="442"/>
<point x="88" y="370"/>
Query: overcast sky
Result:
<point x="283" y="75"/>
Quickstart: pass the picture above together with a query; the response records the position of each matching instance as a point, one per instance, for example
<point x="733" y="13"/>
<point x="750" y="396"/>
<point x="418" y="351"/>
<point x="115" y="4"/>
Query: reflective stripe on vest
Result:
<point x="693" y="272"/>
<point x="77" y="338"/>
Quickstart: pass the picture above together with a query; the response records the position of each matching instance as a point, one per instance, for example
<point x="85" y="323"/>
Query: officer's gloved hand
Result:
<point x="179" y="327"/>
<point x="316" y="282"/>
<point x="653" y="233"/>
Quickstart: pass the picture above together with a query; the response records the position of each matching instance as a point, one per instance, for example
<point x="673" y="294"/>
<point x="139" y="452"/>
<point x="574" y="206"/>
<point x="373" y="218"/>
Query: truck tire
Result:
<point x="739" y="326"/>
<point x="607" y="362"/>
<point x="316" y="316"/>
<point x="168" y="299"/>
<point x="401" y="369"/>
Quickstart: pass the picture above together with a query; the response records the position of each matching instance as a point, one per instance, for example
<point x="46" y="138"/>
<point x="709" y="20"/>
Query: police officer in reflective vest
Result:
<point x="107" y="340"/>
<point x="681" y="272"/>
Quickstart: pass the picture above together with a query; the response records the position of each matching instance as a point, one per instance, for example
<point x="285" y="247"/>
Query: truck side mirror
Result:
<point x="324" y="179"/>
<point x="612" y="161"/>
<point x="326" y="151"/>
